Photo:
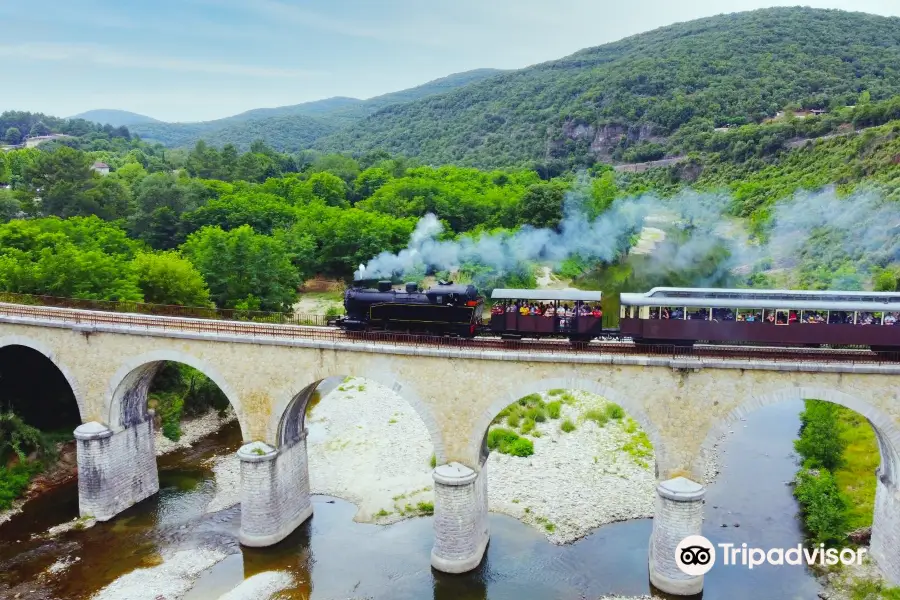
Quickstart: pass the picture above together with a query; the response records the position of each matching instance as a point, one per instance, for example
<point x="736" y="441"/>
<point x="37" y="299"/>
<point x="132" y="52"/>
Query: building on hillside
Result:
<point x="100" y="167"/>
<point x="32" y="142"/>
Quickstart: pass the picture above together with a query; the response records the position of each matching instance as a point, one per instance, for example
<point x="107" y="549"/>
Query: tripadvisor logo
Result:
<point x="695" y="555"/>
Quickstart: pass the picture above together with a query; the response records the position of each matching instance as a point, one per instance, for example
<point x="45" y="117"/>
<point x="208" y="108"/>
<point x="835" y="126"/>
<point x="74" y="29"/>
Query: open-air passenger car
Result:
<point x="683" y="316"/>
<point x="519" y="314"/>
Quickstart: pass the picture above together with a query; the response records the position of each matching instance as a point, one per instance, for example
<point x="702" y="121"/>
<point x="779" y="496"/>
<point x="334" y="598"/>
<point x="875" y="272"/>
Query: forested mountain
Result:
<point x="116" y="118"/>
<point x="632" y="95"/>
<point x="290" y="128"/>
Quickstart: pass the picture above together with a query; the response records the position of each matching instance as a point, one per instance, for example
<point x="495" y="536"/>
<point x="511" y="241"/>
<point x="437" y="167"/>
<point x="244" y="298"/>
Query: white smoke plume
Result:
<point x="861" y="225"/>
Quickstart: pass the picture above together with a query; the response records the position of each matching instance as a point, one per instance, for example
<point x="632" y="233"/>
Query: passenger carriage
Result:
<point x="574" y="314"/>
<point x="684" y="316"/>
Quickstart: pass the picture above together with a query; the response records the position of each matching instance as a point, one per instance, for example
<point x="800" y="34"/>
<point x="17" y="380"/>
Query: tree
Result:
<point x="820" y="442"/>
<point x="13" y="136"/>
<point x="9" y="206"/>
<point x="62" y="179"/>
<point x="168" y="278"/>
<point x="244" y="268"/>
<point x="542" y="205"/>
<point x="39" y="129"/>
<point x="329" y="188"/>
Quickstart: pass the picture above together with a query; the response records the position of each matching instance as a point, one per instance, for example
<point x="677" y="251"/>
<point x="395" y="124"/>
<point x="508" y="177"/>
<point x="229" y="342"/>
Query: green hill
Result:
<point x="629" y="99"/>
<point x="116" y="118"/>
<point x="289" y="128"/>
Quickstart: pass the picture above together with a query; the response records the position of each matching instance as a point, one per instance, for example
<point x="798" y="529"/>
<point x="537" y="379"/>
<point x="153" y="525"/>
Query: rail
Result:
<point x="261" y="324"/>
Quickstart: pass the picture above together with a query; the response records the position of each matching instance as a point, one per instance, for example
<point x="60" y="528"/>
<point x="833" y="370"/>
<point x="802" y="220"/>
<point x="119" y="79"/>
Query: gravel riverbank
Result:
<point x="194" y="430"/>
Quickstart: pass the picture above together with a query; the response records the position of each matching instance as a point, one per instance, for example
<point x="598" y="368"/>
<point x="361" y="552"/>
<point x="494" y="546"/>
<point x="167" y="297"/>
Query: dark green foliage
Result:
<point x="689" y="77"/>
<point x="14" y="481"/>
<point x="180" y="391"/>
<point x="507" y="441"/>
<point x="823" y="506"/>
<point x="820" y="443"/>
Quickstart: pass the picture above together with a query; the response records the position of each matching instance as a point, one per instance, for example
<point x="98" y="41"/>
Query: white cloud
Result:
<point x="112" y="57"/>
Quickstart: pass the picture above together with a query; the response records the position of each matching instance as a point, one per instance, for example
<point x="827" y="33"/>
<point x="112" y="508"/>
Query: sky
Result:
<point x="197" y="60"/>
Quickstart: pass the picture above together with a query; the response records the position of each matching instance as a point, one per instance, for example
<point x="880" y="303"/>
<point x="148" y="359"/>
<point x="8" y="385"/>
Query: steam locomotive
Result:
<point x="662" y="316"/>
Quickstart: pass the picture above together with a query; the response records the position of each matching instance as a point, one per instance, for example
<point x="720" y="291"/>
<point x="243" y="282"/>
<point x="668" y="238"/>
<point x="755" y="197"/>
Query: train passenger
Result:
<point x="597" y="313"/>
<point x="771" y="317"/>
<point x="524" y="311"/>
<point x="890" y="319"/>
<point x="665" y="313"/>
<point x="550" y="312"/>
<point x="793" y="317"/>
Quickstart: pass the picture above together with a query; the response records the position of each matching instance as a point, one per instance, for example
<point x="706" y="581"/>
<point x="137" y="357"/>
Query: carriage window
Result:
<point x="673" y="312"/>
<point x="814" y="316"/>
<point x="654" y="312"/>
<point x="750" y="315"/>
<point x="698" y="314"/>
<point x="840" y="317"/>
<point x="723" y="314"/>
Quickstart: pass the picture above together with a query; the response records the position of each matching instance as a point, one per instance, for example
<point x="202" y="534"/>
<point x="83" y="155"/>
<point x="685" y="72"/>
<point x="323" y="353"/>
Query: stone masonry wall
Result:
<point x="274" y="492"/>
<point x="679" y="514"/>
<point x="460" y="518"/>
<point x="885" y="545"/>
<point x="115" y="470"/>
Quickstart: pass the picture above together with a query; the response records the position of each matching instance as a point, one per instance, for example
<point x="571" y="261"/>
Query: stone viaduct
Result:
<point x="269" y="373"/>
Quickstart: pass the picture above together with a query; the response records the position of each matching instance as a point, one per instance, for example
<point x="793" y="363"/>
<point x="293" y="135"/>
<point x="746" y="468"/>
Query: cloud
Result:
<point x="112" y="57"/>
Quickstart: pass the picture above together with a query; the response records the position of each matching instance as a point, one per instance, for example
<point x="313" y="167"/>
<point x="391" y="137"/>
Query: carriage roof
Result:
<point x="552" y="295"/>
<point x="772" y="299"/>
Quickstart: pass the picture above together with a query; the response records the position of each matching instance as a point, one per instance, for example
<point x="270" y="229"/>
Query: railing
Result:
<point x="307" y="327"/>
<point x="165" y="310"/>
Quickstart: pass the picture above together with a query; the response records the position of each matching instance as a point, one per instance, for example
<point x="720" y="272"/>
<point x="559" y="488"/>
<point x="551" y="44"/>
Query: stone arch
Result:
<point x="289" y="420"/>
<point x="477" y="437"/>
<point x="127" y="395"/>
<point x="37" y="346"/>
<point x="886" y="429"/>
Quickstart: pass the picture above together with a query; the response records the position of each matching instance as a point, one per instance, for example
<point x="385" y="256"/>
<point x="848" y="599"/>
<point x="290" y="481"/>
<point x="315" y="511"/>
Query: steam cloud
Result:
<point x="863" y="225"/>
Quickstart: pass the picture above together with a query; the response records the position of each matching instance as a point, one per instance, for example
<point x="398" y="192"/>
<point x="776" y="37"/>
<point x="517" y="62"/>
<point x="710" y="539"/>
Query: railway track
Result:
<point x="91" y="318"/>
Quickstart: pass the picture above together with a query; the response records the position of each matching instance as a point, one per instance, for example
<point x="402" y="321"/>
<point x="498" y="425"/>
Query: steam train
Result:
<point x="662" y="316"/>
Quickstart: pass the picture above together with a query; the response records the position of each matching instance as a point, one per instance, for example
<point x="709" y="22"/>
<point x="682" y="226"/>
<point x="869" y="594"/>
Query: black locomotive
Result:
<point x="445" y="309"/>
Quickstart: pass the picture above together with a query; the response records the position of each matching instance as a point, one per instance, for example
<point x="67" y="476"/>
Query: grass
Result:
<point x="426" y="508"/>
<point x="866" y="589"/>
<point x="855" y="477"/>
<point x="392" y="421"/>
<point x="556" y="392"/>
<point x="554" y="409"/>
<point x="614" y="411"/>
<point x="596" y="415"/>
<point x="382" y="513"/>
<point x="639" y="448"/>
<point x="523" y="414"/>
<point x="507" y="441"/>
<point x="567" y="426"/>
<point x="433" y="461"/>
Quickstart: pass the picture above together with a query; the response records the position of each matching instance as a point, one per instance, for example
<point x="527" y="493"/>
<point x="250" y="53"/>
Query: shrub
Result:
<point x="521" y="447"/>
<point x="426" y="508"/>
<point x="820" y="443"/>
<point x="527" y="426"/>
<point x="536" y="414"/>
<point x="433" y="461"/>
<point x="554" y="409"/>
<point x="513" y="419"/>
<point x="499" y="437"/>
<point x="507" y="441"/>
<point x="823" y="506"/>
<point x="614" y="411"/>
<point x="567" y="426"/>
<point x="556" y="392"/>
<point x="597" y="416"/>
<point x="14" y="481"/>
<point x="568" y="398"/>
<point x="530" y="399"/>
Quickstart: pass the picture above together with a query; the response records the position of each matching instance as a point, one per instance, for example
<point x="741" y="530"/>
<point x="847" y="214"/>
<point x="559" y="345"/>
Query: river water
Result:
<point x="333" y="557"/>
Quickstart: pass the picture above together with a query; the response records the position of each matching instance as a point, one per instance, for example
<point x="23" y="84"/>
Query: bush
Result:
<point x="536" y="414"/>
<point x="597" y="416"/>
<point x="507" y="441"/>
<point x="823" y="506"/>
<point x="556" y="392"/>
<point x="531" y="399"/>
<point x="527" y="426"/>
<point x="521" y="447"/>
<point x="426" y="508"/>
<point x="513" y="419"/>
<point x="567" y="426"/>
<point x="820" y="443"/>
<point x="14" y="481"/>
<point x="554" y="409"/>
<point x="614" y="411"/>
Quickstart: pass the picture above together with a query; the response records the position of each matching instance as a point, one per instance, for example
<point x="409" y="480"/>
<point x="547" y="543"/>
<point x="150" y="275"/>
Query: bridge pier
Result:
<point x="885" y="543"/>
<point x="115" y="469"/>
<point x="274" y="491"/>
<point x="679" y="513"/>
<point x="461" y="530"/>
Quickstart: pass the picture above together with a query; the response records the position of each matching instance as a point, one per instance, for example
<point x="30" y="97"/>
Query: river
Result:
<point x="331" y="556"/>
